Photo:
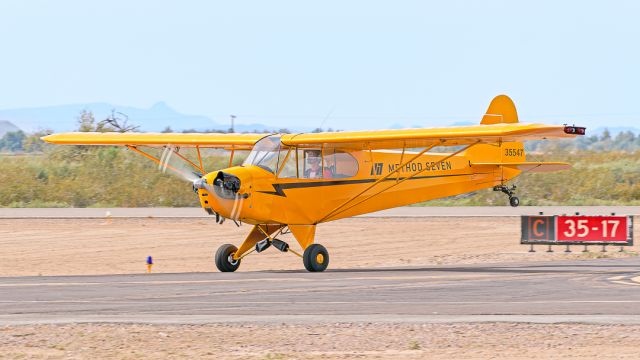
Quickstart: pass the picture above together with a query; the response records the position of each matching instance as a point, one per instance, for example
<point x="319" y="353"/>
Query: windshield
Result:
<point x="265" y="153"/>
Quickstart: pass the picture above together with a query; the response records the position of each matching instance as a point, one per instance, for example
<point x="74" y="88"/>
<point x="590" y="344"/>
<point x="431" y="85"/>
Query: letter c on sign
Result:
<point x="535" y="228"/>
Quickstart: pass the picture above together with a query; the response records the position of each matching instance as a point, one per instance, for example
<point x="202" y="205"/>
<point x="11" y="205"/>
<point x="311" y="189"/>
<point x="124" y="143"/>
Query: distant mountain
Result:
<point x="7" y="126"/>
<point x="156" y="118"/>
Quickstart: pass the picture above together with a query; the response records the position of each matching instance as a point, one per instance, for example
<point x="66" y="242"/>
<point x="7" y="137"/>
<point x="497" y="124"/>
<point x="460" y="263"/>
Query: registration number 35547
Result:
<point x="513" y="152"/>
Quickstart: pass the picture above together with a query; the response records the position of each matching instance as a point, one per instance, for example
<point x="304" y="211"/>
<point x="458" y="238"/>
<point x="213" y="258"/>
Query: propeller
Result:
<point x="224" y="186"/>
<point x="180" y="168"/>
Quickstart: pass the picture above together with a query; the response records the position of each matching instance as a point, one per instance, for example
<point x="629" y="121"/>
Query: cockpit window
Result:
<point x="338" y="164"/>
<point x="265" y="154"/>
<point x="312" y="164"/>
<point x="326" y="164"/>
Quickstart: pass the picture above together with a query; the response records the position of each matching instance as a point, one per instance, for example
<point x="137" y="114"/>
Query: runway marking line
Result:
<point x="625" y="280"/>
<point x="346" y="287"/>
<point x="288" y="279"/>
<point x="166" y="282"/>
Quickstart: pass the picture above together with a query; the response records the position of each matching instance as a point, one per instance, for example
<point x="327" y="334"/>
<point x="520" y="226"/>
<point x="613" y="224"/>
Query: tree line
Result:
<point x="606" y="171"/>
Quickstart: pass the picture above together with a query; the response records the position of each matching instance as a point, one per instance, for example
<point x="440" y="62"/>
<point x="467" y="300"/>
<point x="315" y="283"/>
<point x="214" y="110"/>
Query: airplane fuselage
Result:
<point x="384" y="179"/>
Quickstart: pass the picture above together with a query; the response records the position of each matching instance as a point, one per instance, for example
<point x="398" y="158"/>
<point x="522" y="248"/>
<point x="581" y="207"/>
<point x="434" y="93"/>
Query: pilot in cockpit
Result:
<point x="313" y="167"/>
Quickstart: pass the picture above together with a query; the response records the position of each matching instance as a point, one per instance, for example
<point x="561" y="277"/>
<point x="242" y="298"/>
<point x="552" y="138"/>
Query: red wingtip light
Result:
<point x="575" y="130"/>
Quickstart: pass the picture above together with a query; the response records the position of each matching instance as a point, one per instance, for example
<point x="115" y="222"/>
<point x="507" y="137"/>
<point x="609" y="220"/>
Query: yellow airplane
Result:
<point x="293" y="182"/>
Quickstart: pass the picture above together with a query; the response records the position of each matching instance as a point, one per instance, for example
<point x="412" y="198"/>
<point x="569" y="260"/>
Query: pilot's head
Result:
<point x="313" y="159"/>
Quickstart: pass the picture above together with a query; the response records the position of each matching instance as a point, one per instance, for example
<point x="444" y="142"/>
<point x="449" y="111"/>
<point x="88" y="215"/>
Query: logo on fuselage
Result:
<point x="376" y="169"/>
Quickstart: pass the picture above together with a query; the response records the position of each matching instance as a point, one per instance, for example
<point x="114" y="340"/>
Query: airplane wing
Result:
<point x="377" y="139"/>
<point x="530" y="166"/>
<point x="449" y="136"/>
<point x="204" y="140"/>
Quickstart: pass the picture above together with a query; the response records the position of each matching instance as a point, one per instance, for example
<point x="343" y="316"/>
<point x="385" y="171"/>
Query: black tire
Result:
<point x="315" y="258"/>
<point x="223" y="256"/>
<point x="514" y="201"/>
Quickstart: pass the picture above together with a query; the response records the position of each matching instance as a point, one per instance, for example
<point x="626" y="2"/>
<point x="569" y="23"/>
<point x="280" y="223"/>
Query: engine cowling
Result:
<point x="222" y="192"/>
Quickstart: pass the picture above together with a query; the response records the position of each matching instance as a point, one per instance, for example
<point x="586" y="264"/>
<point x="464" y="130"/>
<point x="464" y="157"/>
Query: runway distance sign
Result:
<point x="568" y="230"/>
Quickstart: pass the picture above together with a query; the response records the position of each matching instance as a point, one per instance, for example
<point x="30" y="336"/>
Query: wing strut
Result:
<point x="153" y="158"/>
<point x="200" y="158"/>
<point x="189" y="161"/>
<point x="397" y="182"/>
<point x="233" y="151"/>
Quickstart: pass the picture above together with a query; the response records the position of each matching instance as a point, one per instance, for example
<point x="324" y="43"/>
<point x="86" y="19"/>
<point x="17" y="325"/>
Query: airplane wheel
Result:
<point x="315" y="258"/>
<point x="224" y="260"/>
<point x="514" y="201"/>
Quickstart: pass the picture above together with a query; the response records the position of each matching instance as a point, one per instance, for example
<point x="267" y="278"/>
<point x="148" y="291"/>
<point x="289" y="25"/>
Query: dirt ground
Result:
<point x="100" y="246"/>
<point x="321" y="341"/>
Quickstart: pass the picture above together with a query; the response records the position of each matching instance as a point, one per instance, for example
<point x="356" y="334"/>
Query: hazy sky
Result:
<point x="368" y="63"/>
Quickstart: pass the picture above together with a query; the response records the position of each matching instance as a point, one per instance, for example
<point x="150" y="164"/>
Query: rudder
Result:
<point x="502" y="110"/>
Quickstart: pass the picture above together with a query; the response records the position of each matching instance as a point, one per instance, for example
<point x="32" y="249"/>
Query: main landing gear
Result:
<point x="510" y="191"/>
<point x="315" y="256"/>
<point x="224" y="258"/>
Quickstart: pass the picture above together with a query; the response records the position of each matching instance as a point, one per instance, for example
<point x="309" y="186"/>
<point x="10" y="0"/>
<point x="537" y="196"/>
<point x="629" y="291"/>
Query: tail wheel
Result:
<point x="315" y="258"/>
<point x="514" y="201"/>
<point x="224" y="258"/>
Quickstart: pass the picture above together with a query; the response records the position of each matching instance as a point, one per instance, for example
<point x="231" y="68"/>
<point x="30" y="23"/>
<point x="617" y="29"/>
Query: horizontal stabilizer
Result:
<point x="532" y="166"/>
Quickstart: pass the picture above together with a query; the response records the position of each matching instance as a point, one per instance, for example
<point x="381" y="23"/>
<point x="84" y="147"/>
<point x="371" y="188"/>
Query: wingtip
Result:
<point x="47" y="138"/>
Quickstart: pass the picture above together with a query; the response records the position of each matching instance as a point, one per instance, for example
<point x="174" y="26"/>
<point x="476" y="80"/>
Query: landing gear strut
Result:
<point x="315" y="257"/>
<point x="510" y="191"/>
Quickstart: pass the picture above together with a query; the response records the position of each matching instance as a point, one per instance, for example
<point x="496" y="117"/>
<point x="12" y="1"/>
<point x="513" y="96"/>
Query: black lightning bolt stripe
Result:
<point x="279" y="188"/>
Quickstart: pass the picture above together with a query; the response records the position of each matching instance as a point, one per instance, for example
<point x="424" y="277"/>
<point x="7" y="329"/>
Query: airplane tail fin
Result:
<point x="507" y="158"/>
<point x="502" y="110"/>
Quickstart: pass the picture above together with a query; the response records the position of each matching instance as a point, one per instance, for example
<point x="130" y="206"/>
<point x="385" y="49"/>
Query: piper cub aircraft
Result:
<point x="293" y="182"/>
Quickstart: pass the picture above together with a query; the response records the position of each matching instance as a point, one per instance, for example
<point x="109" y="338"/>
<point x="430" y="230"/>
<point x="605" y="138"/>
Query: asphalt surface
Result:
<point x="588" y="291"/>
<point x="408" y="211"/>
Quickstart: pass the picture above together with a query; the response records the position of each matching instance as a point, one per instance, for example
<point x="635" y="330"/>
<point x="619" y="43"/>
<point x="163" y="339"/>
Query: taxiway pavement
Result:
<point x="588" y="291"/>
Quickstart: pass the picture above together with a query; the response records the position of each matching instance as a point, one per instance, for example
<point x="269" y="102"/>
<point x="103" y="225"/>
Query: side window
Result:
<point x="335" y="164"/>
<point x="310" y="163"/>
<point x="329" y="163"/>
<point x="289" y="169"/>
<point x="338" y="164"/>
